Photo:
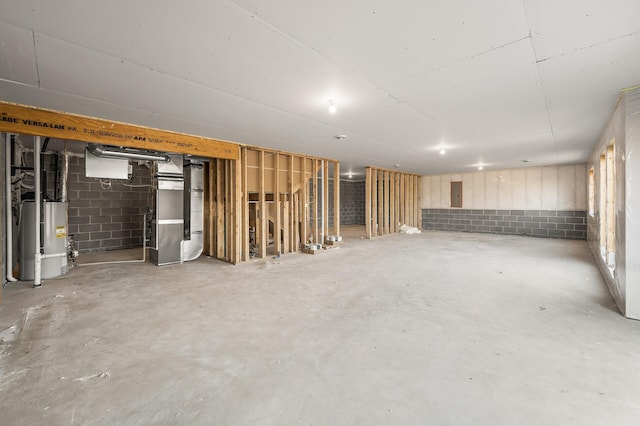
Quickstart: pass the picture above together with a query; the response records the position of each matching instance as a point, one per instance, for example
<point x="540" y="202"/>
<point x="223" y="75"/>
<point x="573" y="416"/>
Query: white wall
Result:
<point x="530" y="188"/>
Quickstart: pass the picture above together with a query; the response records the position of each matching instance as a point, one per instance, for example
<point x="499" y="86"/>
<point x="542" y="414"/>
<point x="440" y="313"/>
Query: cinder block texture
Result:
<point x="534" y="223"/>
<point x="352" y="202"/>
<point x="107" y="214"/>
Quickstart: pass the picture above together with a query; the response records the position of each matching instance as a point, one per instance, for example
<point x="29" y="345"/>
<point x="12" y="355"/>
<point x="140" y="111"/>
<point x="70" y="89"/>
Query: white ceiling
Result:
<point x="494" y="82"/>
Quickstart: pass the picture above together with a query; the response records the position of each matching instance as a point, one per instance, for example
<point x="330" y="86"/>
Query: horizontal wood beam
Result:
<point x="30" y="120"/>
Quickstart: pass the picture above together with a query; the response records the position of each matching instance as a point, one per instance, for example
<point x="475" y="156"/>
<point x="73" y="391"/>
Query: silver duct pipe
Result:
<point x="99" y="151"/>
<point x="37" y="265"/>
<point x="63" y="162"/>
<point x="8" y="138"/>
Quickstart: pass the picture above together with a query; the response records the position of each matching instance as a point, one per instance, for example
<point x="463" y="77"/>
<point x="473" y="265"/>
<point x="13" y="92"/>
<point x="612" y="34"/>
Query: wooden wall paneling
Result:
<point x="277" y="225"/>
<point x="336" y="198"/>
<point x="264" y="215"/>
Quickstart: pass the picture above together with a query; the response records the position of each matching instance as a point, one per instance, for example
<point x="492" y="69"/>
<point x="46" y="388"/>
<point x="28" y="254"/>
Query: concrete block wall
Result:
<point x="107" y="215"/>
<point x="533" y="223"/>
<point x="534" y="201"/>
<point x="352" y="202"/>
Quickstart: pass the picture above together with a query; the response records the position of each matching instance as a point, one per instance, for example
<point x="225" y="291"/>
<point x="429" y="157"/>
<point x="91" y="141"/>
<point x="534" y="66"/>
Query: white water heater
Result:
<point x="54" y="239"/>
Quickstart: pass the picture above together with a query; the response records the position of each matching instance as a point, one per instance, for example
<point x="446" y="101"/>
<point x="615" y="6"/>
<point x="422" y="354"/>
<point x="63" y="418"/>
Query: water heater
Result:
<point x="54" y="239"/>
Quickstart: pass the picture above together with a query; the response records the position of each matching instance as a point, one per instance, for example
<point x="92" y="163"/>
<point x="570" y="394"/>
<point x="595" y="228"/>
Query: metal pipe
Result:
<point x="37" y="265"/>
<point x="8" y="138"/>
<point x="64" y="176"/>
<point x="98" y="151"/>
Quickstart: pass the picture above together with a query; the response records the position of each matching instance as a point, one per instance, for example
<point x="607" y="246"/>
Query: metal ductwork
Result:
<point x="102" y="152"/>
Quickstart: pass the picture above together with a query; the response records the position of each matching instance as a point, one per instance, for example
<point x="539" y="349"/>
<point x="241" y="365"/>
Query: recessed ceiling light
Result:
<point x="332" y="106"/>
<point x="340" y="137"/>
<point x="525" y="161"/>
<point x="480" y="168"/>
<point x="443" y="152"/>
<point x="397" y="166"/>
<point x="350" y="175"/>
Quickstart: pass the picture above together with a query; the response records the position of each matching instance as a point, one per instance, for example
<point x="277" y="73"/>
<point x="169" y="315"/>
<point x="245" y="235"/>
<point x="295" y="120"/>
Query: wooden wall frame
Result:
<point x="274" y="186"/>
<point x="391" y="198"/>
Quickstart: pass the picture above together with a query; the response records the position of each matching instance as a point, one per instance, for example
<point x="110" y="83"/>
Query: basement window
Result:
<point x="607" y="206"/>
<point x="592" y="193"/>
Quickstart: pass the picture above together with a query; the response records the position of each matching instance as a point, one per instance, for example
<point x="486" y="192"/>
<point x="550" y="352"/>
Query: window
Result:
<point x="606" y="205"/>
<point x="592" y="192"/>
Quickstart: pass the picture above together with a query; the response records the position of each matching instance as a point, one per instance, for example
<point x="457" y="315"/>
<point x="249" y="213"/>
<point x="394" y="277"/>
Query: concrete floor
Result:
<point x="439" y="328"/>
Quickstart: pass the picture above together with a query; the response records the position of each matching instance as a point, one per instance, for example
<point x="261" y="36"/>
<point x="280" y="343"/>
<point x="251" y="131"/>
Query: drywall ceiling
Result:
<point x="493" y="82"/>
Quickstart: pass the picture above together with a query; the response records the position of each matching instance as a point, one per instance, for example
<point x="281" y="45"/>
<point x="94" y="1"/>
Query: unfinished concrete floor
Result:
<point x="433" y="329"/>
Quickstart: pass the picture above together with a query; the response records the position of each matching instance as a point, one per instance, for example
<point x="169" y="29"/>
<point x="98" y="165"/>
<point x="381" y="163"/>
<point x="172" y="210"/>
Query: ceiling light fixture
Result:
<point x="340" y="137"/>
<point x="332" y="106"/>
<point x="443" y="152"/>
<point x="480" y="167"/>
<point x="350" y="175"/>
<point x="397" y="166"/>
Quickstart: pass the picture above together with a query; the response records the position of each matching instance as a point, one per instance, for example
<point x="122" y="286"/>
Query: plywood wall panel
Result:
<point x="445" y="192"/>
<point x="581" y="187"/>
<point x="434" y="193"/>
<point x="549" y="194"/>
<point x="478" y="191"/>
<point x="504" y="190"/>
<point x="491" y="189"/>
<point x="567" y="188"/>
<point x="534" y="188"/>
<point x="518" y="189"/>
<point x="468" y="195"/>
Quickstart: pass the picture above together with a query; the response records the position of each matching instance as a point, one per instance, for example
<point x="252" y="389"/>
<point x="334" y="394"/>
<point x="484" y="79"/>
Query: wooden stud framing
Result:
<point x="391" y="199"/>
<point x="276" y="203"/>
<point x="392" y="202"/>
<point x="611" y="213"/>
<point x="304" y="204"/>
<point x="263" y="219"/>
<point x="290" y="217"/>
<point x="245" y="207"/>
<point x="368" y="204"/>
<point x="315" y="200"/>
<point x="325" y="201"/>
